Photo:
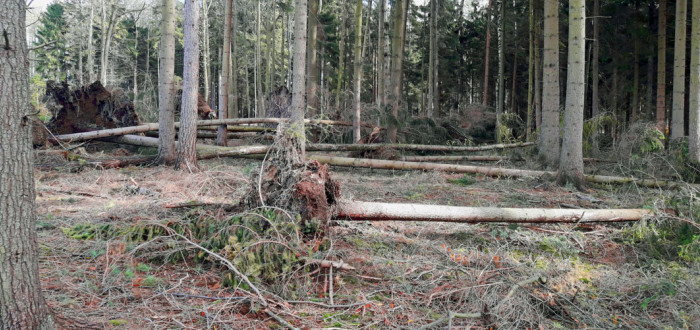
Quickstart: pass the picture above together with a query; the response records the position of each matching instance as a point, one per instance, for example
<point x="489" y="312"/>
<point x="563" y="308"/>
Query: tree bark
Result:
<point x="296" y="130"/>
<point x="595" y="102"/>
<point x="501" y="70"/>
<point x="531" y="72"/>
<point x="206" y="51"/>
<point x="22" y="305"/>
<point x="432" y="51"/>
<point x="678" y="108"/>
<point x="634" y="109"/>
<point x="661" y="71"/>
<point x="380" y="54"/>
<point x="694" y="89"/>
<point x="222" y="135"/>
<point x="186" y="154"/>
<point x="397" y="46"/>
<point x="166" y="87"/>
<point x="233" y="94"/>
<point x="486" y="56"/>
<point x="571" y="161"/>
<point x="369" y="211"/>
<point x="312" y="58"/>
<point x="549" y="134"/>
<point x="357" y="75"/>
<point x="91" y="49"/>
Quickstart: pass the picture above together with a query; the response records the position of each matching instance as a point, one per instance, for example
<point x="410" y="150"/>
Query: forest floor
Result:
<point x="407" y="274"/>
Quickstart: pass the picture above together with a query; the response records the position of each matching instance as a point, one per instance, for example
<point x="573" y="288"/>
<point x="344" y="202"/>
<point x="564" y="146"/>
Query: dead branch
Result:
<point x="411" y="147"/>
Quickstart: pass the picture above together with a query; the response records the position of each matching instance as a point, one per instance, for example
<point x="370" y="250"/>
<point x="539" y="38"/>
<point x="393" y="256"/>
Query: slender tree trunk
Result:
<point x="341" y="57"/>
<point x="259" y="98"/>
<point x="635" y="83"/>
<point x="222" y="134"/>
<point x="22" y="305"/>
<point x="248" y="104"/>
<point x="269" y="42"/>
<point x="296" y="128"/>
<point x="357" y="75"/>
<point x="595" y="102"/>
<point x="571" y="161"/>
<point x="397" y="46"/>
<point x="380" y="54"/>
<point x="694" y="89"/>
<point x="166" y="87"/>
<point x="136" y="62"/>
<point x="312" y="59"/>
<point x="678" y="109"/>
<point x="513" y="89"/>
<point x="501" y="68"/>
<point x="187" y="136"/>
<point x="91" y="46"/>
<point x="206" y="56"/>
<point x="538" y="71"/>
<point x="549" y="134"/>
<point x="661" y="72"/>
<point x="234" y="96"/>
<point x="531" y="72"/>
<point x="432" y="76"/>
<point x="486" y="57"/>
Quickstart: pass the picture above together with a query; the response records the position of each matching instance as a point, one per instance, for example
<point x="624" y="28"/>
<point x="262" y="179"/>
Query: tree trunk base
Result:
<point x="288" y="182"/>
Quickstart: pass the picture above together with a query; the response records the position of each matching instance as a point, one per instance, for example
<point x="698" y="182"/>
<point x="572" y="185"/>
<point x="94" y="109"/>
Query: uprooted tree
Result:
<point x="286" y="180"/>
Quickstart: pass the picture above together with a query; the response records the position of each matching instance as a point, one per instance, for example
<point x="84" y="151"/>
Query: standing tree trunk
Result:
<point x="635" y="83"/>
<point x="694" y="89"/>
<point x="432" y="75"/>
<point x="187" y="136"/>
<point x="341" y="57"/>
<point x="397" y="46"/>
<point x="206" y="52"/>
<point x="530" y="72"/>
<point x="166" y="87"/>
<point x="549" y="134"/>
<point x="234" y="96"/>
<point x="296" y="129"/>
<point x="312" y="59"/>
<point x="259" y="98"/>
<point x="595" y="103"/>
<point x="380" y="54"/>
<point x="678" y="109"/>
<point x="501" y="70"/>
<point x="91" y="49"/>
<point x="661" y="71"/>
<point x="538" y="71"/>
<point x="486" y="56"/>
<point x="571" y="161"/>
<point x="21" y="303"/>
<point x="222" y="134"/>
<point x="357" y="75"/>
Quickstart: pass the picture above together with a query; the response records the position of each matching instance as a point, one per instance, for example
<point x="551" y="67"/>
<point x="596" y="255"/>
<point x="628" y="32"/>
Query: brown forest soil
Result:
<point x="407" y="274"/>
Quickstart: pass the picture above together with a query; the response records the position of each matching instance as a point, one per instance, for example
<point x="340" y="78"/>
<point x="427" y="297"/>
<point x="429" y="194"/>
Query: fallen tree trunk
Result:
<point x="76" y="137"/>
<point x="359" y="211"/>
<point x="207" y="152"/>
<point x="453" y="158"/>
<point x="488" y="171"/>
<point x="411" y="147"/>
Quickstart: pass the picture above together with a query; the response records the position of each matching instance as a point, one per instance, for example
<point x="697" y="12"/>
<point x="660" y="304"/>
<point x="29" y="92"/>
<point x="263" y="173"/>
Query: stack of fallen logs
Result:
<point x="352" y="210"/>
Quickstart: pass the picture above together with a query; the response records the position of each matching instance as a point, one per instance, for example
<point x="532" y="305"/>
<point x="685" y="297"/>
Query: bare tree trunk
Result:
<point x="678" y="109"/>
<point x="166" y="87"/>
<point x="380" y="55"/>
<point x="501" y="69"/>
<point x="531" y="72"/>
<point x="312" y="59"/>
<point x="91" y="46"/>
<point x="397" y="46"/>
<point x="206" y="51"/>
<point x="341" y="57"/>
<point x="486" y="57"/>
<point x="635" y="83"/>
<point x="136" y="61"/>
<point x="296" y="128"/>
<point x="538" y="72"/>
<point x="432" y="90"/>
<point x="22" y="305"/>
<point x="234" y="96"/>
<point x="259" y="97"/>
<point x="661" y="72"/>
<point x="357" y="75"/>
<point x="221" y="137"/>
<point x="187" y="137"/>
<point x="595" y="102"/>
<point x="549" y="134"/>
<point x="571" y="161"/>
<point x="694" y="89"/>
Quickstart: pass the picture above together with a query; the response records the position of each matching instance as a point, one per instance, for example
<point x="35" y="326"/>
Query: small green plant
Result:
<point x="464" y="180"/>
<point x="142" y="268"/>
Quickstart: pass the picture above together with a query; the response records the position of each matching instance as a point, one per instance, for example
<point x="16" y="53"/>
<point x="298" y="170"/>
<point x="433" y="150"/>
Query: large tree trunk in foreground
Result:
<point x="186" y="154"/>
<point x="571" y="160"/>
<point x="21" y="303"/>
<point x="166" y="87"/>
<point x="359" y="211"/>
<point x="549" y="133"/>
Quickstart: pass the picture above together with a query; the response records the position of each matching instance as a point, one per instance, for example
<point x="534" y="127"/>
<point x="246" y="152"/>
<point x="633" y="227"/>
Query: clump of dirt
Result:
<point x="292" y="184"/>
<point x="376" y="136"/>
<point x="87" y="108"/>
<point x="203" y="109"/>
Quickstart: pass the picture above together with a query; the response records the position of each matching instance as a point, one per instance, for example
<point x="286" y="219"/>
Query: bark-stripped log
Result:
<point x="454" y="158"/>
<point x="488" y="171"/>
<point x="359" y="211"/>
<point x="76" y="137"/>
<point x="411" y="147"/>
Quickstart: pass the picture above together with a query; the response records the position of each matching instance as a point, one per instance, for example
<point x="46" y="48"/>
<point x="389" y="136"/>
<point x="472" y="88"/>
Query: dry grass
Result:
<point x="407" y="274"/>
